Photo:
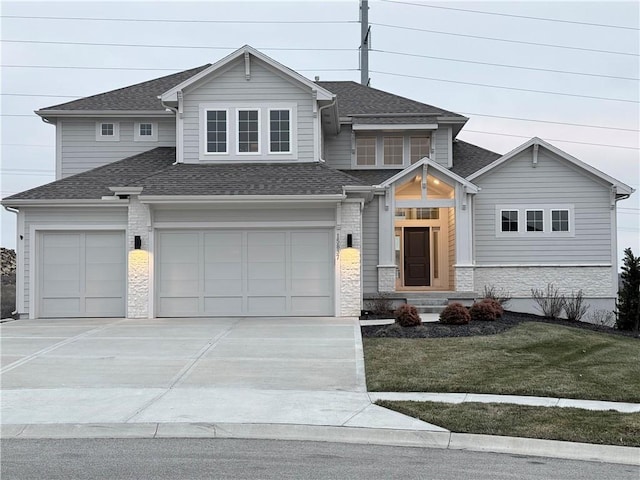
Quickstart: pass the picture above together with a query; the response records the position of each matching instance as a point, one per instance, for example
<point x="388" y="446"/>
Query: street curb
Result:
<point x="371" y="436"/>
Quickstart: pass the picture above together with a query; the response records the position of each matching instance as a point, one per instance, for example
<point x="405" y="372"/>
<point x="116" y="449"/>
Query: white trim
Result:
<point x="471" y="188"/>
<point x="108" y="138"/>
<point x="103" y="113"/>
<point x="145" y="138"/>
<point x="525" y="265"/>
<point x="614" y="250"/>
<point x="246" y="225"/>
<point x="237" y="129"/>
<point x="625" y="189"/>
<point x="58" y="149"/>
<point x="20" y="254"/>
<point x="449" y="147"/>
<point x="321" y="93"/>
<point x="268" y="122"/>
<point x="395" y="126"/>
<point x="65" y="203"/>
<point x="499" y="222"/>
<point x="34" y="244"/>
<point x="526" y="221"/>
<point x="204" y="149"/>
<point x="522" y="210"/>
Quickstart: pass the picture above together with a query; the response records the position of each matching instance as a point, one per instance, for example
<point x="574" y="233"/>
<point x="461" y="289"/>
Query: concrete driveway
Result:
<point x="303" y="371"/>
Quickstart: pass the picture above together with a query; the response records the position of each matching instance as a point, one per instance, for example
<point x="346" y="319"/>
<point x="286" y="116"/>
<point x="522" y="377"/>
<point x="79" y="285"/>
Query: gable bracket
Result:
<point x="612" y="196"/>
<point x="464" y="197"/>
<point x="314" y="93"/>
<point x="247" y="66"/>
<point x="423" y="185"/>
<point x="535" y="155"/>
<point x="180" y="104"/>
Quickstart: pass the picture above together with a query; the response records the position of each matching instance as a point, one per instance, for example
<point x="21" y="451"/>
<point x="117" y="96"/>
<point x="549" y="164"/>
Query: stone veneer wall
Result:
<point x="349" y="260"/>
<point x="138" y="283"/>
<point x="387" y="275"/>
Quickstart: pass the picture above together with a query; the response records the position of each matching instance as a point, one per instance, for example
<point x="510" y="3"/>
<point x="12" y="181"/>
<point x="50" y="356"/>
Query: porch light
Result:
<point x="137" y="242"/>
<point x="349" y="240"/>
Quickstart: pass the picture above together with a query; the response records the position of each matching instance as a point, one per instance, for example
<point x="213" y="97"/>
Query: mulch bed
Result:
<point x="508" y="320"/>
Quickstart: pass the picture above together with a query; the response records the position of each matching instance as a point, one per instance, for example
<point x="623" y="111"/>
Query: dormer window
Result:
<point x="393" y="150"/>
<point x="145" y="132"/>
<point x="420" y="148"/>
<point x="216" y="131"/>
<point x="248" y="131"/>
<point x="279" y="131"/>
<point x="390" y="149"/>
<point x="107" y="131"/>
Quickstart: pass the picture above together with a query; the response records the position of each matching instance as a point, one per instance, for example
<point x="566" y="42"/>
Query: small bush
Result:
<point x="550" y="302"/>
<point x="407" y="316"/>
<point x="497" y="306"/>
<point x="380" y="305"/>
<point x="455" y="314"/>
<point x="499" y="295"/>
<point x="483" y="311"/>
<point x="606" y="318"/>
<point x="574" y="306"/>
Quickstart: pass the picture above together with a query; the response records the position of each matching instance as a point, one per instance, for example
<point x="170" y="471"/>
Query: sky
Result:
<point x="566" y="72"/>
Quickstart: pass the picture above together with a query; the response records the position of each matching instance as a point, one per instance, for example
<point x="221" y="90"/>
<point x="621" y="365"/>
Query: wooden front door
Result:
<point x="417" y="271"/>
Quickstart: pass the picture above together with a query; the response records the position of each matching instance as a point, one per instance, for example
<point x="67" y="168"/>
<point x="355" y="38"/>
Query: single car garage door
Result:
<point x="82" y="274"/>
<point x="244" y="273"/>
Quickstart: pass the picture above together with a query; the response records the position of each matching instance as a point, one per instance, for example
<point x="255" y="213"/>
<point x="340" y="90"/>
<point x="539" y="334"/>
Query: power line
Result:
<point x="160" y="69"/>
<point x="549" y="121"/>
<point x="546" y="92"/>
<point x="173" y="20"/>
<point x="293" y="49"/>
<point x="527" y="17"/>
<point x="37" y="95"/>
<point x="550" y="139"/>
<point x="505" y="65"/>
<point x="521" y="42"/>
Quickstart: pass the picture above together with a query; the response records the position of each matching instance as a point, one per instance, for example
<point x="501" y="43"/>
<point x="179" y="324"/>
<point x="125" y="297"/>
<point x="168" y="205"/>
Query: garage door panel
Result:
<point x="179" y="306"/>
<point x="103" y="306"/>
<point x="252" y="272"/>
<point x="60" y="307"/>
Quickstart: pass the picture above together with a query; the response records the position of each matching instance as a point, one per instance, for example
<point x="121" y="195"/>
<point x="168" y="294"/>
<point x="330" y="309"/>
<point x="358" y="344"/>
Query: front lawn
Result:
<point x="550" y="423"/>
<point x="529" y="359"/>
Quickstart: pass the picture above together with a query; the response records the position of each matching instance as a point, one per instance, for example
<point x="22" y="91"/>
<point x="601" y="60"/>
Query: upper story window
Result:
<point x="248" y="131"/>
<point x="107" y="131"/>
<point x="559" y="220"/>
<point x="393" y="150"/>
<point x="216" y="131"/>
<point x="420" y="148"/>
<point x="535" y="221"/>
<point x="145" y="132"/>
<point x="366" y="151"/>
<point x="509" y="220"/>
<point x="279" y="131"/>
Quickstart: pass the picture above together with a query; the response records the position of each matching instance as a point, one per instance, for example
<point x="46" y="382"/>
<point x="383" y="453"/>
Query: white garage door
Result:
<point x="240" y="273"/>
<point x="82" y="274"/>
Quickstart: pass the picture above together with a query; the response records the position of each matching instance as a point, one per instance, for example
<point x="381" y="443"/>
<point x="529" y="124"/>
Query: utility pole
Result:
<point x="365" y="42"/>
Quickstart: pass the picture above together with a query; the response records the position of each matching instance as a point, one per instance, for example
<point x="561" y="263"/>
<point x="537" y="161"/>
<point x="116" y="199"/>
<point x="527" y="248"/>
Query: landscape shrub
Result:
<point x="575" y="307"/>
<point x="499" y="295"/>
<point x="483" y="311"/>
<point x="628" y="303"/>
<point x="497" y="306"/>
<point x="606" y="318"/>
<point x="407" y="316"/>
<point x="455" y="314"/>
<point x="380" y="305"/>
<point x="550" y="302"/>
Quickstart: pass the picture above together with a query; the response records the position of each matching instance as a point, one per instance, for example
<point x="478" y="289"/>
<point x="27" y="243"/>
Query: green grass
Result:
<point x="530" y="359"/>
<point x="551" y="423"/>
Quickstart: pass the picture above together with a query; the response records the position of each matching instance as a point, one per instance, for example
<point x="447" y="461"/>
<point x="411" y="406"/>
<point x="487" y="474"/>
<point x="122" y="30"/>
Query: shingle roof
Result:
<point x="357" y="99"/>
<point x="373" y="177"/>
<point x="156" y="172"/>
<point x="141" y="96"/>
<point x="469" y="158"/>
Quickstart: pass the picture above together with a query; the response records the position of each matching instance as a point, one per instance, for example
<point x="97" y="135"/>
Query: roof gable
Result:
<point x="171" y="94"/>
<point x="535" y="141"/>
<point x="432" y="165"/>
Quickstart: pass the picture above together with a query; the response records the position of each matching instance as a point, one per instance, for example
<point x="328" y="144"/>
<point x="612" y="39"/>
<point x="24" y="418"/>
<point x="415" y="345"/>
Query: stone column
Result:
<point x="138" y="278"/>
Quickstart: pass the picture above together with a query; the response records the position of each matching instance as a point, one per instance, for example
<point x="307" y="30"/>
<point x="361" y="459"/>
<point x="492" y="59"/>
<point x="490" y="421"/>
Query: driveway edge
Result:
<point x="373" y="436"/>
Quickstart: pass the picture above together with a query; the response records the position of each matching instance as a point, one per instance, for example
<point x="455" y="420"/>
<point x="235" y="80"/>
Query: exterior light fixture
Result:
<point x="137" y="242"/>
<point x="349" y="240"/>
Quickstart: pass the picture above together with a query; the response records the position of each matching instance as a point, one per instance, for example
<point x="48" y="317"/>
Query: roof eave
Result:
<point x="243" y="199"/>
<point x="47" y="202"/>
<point x="103" y="113"/>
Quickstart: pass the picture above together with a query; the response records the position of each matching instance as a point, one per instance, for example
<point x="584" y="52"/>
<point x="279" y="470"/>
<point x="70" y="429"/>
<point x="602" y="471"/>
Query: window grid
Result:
<point x="107" y="130"/>
<point x="509" y="220"/>
<point x="146" y="130"/>
<point x="393" y="150"/>
<point x="559" y="220"/>
<point x="535" y="221"/>
<point x="366" y="151"/>
<point x="279" y="131"/>
<point x="248" y="131"/>
<point x="420" y="148"/>
<point x="216" y="131"/>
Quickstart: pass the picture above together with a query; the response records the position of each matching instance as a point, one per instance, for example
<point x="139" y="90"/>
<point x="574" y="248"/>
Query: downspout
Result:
<point x="178" y="126"/>
<point x="16" y="211"/>
<point x="321" y="143"/>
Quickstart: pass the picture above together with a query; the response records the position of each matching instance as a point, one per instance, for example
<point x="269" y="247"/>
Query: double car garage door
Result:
<point x="197" y="273"/>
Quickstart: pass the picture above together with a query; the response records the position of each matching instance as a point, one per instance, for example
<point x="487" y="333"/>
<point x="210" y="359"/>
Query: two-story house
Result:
<point x="243" y="188"/>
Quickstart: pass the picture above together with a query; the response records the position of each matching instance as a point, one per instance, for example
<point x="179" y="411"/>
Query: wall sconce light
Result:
<point x="137" y="242"/>
<point x="349" y="240"/>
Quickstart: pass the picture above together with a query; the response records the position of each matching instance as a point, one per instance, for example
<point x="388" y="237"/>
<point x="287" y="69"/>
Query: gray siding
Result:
<point x="81" y="152"/>
<point x="231" y="87"/>
<point x="65" y="218"/>
<point x="451" y="217"/>
<point x="553" y="181"/>
<point x="337" y="149"/>
<point x="370" y="247"/>
<point x="442" y="146"/>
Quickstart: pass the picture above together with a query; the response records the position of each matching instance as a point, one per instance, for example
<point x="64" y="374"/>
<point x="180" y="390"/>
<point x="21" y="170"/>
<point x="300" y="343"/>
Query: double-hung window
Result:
<point x="535" y="221"/>
<point x="248" y="131"/>
<point x="420" y="148"/>
<point x="366" y="151"/>
<point x="279" y="131"/>
<point x="216" y="131"/>
<point x="393" y="150"/>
